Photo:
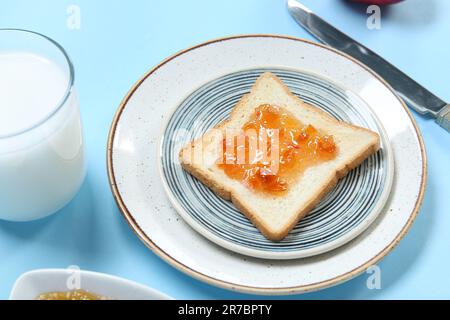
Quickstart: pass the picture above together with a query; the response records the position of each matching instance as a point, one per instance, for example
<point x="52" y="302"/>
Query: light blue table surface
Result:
<point x="120" y="40"/>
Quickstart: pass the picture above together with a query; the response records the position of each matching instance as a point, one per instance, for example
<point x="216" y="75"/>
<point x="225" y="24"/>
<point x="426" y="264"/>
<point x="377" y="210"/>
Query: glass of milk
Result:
<point x="41" y="144"/>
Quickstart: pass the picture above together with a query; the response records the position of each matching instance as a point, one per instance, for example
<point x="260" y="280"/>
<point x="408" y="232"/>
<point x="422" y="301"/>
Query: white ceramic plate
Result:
<point x="33" y="283"/>
<point x="139" y="192"/>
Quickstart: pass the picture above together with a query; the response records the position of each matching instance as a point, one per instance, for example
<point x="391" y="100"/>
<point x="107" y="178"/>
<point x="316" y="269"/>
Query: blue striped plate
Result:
<point x="341" y="216"/>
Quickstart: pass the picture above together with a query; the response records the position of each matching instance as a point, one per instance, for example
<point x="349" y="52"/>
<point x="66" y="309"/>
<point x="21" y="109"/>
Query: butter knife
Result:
<point x="415" y="95"/>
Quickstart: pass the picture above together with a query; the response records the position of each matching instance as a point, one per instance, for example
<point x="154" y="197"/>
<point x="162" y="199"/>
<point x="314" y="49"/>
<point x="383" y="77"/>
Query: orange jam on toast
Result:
<point x="273" y="149"/>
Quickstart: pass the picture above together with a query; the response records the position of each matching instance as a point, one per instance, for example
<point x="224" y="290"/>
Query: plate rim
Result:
<point x="290" y="255"/>
<point x="245" y="288"/>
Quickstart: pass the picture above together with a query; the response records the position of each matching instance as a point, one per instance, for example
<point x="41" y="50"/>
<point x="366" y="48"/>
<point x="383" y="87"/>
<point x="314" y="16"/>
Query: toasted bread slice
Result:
<point x="276" y="215"/>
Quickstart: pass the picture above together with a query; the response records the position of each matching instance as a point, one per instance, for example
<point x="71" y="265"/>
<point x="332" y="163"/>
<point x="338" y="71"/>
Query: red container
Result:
<point x="378" y="2"/>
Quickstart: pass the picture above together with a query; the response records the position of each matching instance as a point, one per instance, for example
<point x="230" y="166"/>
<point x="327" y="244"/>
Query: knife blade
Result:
<point x="415" y="95"/>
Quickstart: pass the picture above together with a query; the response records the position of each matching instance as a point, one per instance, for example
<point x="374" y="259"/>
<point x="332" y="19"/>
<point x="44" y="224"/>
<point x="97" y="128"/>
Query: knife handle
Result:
<point x="443" y="118"/>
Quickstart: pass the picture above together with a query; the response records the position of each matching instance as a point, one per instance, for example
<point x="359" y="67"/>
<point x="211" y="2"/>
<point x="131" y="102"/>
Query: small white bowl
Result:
<point x="33" y="283"/>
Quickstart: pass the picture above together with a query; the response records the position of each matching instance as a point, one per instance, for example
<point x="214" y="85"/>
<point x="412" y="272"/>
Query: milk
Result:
<point x="41" y="145"/>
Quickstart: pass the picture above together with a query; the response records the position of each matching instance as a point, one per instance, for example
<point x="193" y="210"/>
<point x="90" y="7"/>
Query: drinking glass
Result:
<point x="42" y="163"/>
